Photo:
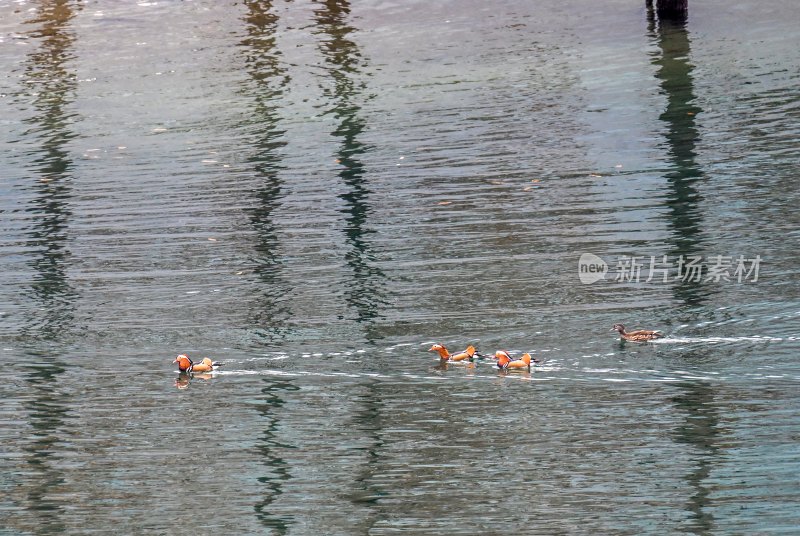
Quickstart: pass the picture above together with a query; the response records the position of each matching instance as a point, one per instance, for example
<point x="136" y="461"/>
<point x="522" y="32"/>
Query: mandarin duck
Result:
<point x="504" y="361"/>
<point x="444" y="355"/>
<point x="642" y="335"/>
<point x="187" y="365"/>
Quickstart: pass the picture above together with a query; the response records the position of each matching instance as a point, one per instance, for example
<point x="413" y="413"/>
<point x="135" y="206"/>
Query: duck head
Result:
<point x="618" y="327"/>
<point x="184" y="363"/>
<point x="441" y="350"/>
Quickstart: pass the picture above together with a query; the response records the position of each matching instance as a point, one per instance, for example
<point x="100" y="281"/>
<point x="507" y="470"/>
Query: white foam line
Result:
<point x="268" y="372"/>
<point x="659" y="380"/>
<point x="264" y="358"/>
<point x="715" y="340"/>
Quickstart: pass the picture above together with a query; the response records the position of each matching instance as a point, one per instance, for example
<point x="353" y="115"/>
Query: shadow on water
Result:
<point x="685" y="219"/>
<point x="699" y="429"/>
<point x="344" y="60"/>
<point x="268" y="447"/>
<point x="51" y="85"/>
<point x="268" y="80"/>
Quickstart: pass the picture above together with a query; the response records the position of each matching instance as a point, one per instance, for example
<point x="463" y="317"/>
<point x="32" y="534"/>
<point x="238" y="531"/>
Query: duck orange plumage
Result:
<point x="469" y="353"/>
<point x="642" y="335"/>
<point x="187" y="365"/>
<point x="504" y="361"/>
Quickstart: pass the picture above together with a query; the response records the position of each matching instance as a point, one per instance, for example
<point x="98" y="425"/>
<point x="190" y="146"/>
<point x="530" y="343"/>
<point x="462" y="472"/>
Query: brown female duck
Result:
<point x="642" y="335"/>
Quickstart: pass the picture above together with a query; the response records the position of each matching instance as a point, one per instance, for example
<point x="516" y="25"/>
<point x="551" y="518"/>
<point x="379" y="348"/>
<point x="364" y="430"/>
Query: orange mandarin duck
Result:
<point x="187" y="365"/>
<point x="642" y="335"/>
<point x="444" y="355"/>
<point x="504" y="361"/>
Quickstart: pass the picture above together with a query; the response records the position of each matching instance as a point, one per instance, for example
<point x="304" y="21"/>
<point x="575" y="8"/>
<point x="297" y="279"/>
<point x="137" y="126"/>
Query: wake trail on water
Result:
<point x="717" y="340"/>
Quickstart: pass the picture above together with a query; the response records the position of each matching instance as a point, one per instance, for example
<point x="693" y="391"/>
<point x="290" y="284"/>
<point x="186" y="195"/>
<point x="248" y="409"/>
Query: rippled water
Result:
<point x="315" y="192"/>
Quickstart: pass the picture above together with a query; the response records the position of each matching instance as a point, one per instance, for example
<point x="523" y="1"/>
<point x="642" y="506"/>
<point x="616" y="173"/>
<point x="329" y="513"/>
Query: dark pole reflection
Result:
<point x="368" y="421"/>
<point x="269" y="446"/>
<point x="50" y="88"/>
<point x="699" y="431"/>
<point x="366" y="294"/>
<point x="53" y="86"/>
<point x="679" y="117"/>
<point x="343" y="63"/>
<point x="268" y="79"/>
<point x="47" y="418"/>
<point x="699" y="428"/>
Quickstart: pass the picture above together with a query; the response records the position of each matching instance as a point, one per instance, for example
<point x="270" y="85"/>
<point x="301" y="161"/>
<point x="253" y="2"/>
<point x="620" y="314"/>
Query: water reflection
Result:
<point x="268" y="79"/>
<point x="47" y="412"/>
<point x="184" y="379"/>
<point x="369" y="422"/>
<point x="269" y="447"/>
<point x="343" y="61"/>
<point x="700" y="431"/>
<point x="685" y="218"/>
<point x="53" y="86"/>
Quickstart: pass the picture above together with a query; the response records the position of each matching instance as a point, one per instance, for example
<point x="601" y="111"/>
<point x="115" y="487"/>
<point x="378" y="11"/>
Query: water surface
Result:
<point x="315" y="192"/>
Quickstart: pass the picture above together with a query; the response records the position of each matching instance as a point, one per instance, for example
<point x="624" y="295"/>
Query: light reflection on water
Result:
<point x="316" y="192"/>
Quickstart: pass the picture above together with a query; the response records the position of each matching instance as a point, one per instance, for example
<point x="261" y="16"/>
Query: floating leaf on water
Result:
<point x="444" y="203"/>
<point x="535" y="180"/>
